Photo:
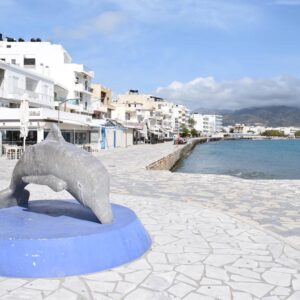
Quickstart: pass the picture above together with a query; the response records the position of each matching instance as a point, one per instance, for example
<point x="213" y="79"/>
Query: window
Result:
<point x="8" y="46"/>
<point x="31" y="84"/>
<point x="15" y="82"/>
<point x="103" y="95"/>
<point x="29" y="61"/>
<point x="45" y="89"/>
<point x="3" y="59"/>
<point x="2" y="72"/>
<point x="13" y="61"/>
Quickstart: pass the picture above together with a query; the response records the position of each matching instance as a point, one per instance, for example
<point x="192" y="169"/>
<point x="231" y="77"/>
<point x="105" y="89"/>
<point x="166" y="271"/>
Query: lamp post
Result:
<point x="58" y="113"/>
<point x="61" y="103"/>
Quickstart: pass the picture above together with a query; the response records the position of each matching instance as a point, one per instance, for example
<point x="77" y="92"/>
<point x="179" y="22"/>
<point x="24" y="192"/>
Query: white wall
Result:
<point x="208" y="124"/>
<point x="19" y="84"/>
<point x="54" y="61"/>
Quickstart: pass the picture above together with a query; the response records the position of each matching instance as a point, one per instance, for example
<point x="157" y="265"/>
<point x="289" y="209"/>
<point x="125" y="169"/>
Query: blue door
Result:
<point x="115" y="138"/>
<point x="103" y="133"/>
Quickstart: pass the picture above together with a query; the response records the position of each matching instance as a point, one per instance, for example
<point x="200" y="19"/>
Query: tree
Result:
<point x="194" y="132"/>
<point x="191" y="122"/>
<point x="297" y="133"/>
<point x="273" y="132"/>
<point x="184" y="131"/>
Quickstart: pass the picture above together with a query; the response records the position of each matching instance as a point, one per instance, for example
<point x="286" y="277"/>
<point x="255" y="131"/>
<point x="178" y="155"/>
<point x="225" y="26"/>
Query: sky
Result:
<point x="201" y="53"/>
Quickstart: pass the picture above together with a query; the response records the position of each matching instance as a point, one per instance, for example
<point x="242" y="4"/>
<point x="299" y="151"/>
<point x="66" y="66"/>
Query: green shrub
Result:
<point x="273" y="132"/>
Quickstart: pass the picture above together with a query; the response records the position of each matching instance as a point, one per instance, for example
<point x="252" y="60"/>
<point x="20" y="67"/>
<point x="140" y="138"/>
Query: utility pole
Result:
<point x="60" y="104"/>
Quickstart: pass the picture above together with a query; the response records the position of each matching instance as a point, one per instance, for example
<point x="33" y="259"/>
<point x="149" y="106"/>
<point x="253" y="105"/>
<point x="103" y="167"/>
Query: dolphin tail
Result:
<point x="9" y="197"/>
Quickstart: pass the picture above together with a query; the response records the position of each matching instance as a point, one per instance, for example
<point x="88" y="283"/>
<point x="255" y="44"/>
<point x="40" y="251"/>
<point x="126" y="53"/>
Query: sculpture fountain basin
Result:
<point x="55" y="238"/>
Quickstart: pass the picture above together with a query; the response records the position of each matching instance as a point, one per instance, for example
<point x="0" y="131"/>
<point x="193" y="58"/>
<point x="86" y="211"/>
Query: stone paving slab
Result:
<point x="205" y="244"/>
<point x="197" y="253"/>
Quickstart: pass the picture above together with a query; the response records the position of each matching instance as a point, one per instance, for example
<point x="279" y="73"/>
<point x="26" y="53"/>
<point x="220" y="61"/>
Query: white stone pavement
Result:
<point x="214" y="237"/>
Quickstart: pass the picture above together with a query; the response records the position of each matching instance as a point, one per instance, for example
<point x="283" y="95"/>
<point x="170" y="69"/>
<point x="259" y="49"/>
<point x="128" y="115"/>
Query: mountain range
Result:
<point x="273" y="116"/>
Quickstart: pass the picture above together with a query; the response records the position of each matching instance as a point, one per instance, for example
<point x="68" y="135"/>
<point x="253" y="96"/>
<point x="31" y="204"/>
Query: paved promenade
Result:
<point x="214" y="237"/>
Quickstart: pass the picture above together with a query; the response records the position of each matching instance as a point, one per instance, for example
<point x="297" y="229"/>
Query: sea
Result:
<point x="249" y="159"/>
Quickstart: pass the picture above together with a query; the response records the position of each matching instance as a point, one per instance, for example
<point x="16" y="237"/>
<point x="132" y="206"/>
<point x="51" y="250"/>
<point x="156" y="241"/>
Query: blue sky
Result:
<point x="203" y="53"/>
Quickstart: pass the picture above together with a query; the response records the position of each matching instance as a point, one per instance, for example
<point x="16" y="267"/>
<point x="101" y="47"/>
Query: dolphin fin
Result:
<point x="53" y="182"/>
<point x="55" y="134"/>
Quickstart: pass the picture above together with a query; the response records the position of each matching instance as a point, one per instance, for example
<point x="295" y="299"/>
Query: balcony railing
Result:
<point x="34" y="97"/>
<point x="81" y="88"/>
<point x="59" y="99"/>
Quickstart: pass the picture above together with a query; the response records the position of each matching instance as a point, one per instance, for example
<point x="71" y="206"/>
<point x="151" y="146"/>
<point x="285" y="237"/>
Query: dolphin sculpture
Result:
<point x="61" y="166"/>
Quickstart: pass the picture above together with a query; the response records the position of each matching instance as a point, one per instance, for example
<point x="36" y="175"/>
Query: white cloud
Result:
<point x="104" y="23"/>
<point x="206" y="92"/>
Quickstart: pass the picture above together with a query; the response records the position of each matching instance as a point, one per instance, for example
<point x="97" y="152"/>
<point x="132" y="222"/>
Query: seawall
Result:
<point x="168" y="162"/>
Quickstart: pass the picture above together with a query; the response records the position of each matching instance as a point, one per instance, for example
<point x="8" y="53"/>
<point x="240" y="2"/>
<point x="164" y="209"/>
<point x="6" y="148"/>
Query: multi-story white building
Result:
<point x="158" y="118"/>
<point x="207" y="124"/>
<point x="180" y="116"/>
<point x="42" y="74"/>
<point x="137" y="111"/>
<point x="199" y="122"/>
<point x="18" y="84"/>
<point x="71" y="81"/>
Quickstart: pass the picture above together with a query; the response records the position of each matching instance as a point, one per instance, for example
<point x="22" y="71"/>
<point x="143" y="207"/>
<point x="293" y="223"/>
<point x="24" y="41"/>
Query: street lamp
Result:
<point x="61" y="103"/>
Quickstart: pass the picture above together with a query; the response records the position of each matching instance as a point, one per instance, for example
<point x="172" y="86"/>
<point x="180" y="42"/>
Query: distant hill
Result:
<point x="207" y="111"/>
<point x="275" y="116"/>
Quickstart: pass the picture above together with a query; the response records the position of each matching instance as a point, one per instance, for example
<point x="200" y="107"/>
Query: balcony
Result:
<point x="33" y="97"/>
<point x="81" y="88"/>
<point x="98" y="106"/>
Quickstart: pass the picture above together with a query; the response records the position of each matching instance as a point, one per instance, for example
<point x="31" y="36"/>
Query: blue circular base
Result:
<point x="54" y="238"/>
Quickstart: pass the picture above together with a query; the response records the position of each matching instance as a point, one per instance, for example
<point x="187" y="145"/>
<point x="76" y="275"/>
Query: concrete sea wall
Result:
<point x="168" y="162"/>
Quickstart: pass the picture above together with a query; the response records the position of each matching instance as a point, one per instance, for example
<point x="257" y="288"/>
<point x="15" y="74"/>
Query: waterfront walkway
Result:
<point x="214" y="237"/>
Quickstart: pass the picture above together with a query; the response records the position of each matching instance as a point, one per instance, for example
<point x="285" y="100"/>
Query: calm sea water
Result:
<point x="258" y="159"/>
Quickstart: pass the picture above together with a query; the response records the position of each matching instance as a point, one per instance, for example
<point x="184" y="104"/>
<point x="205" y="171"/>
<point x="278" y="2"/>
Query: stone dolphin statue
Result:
<point x="61" y="166"/>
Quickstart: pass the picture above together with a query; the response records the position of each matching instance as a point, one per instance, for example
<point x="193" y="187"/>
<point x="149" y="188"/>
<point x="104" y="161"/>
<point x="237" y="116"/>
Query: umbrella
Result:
<point x="24" y="120"/>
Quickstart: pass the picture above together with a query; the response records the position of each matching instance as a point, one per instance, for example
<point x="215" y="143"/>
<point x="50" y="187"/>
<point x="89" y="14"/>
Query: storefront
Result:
<point x="74" y="136"/>
<point x="12" y="137"/>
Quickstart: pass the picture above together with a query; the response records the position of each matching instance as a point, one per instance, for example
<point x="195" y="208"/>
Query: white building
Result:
<point x="207" y="124"/>
<point x="18" y="84"/>
<point x="71" y="81"/>
<point x="27" y="72"/>
<point x="153" y="117"/>
<point x="179" y="117"/>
